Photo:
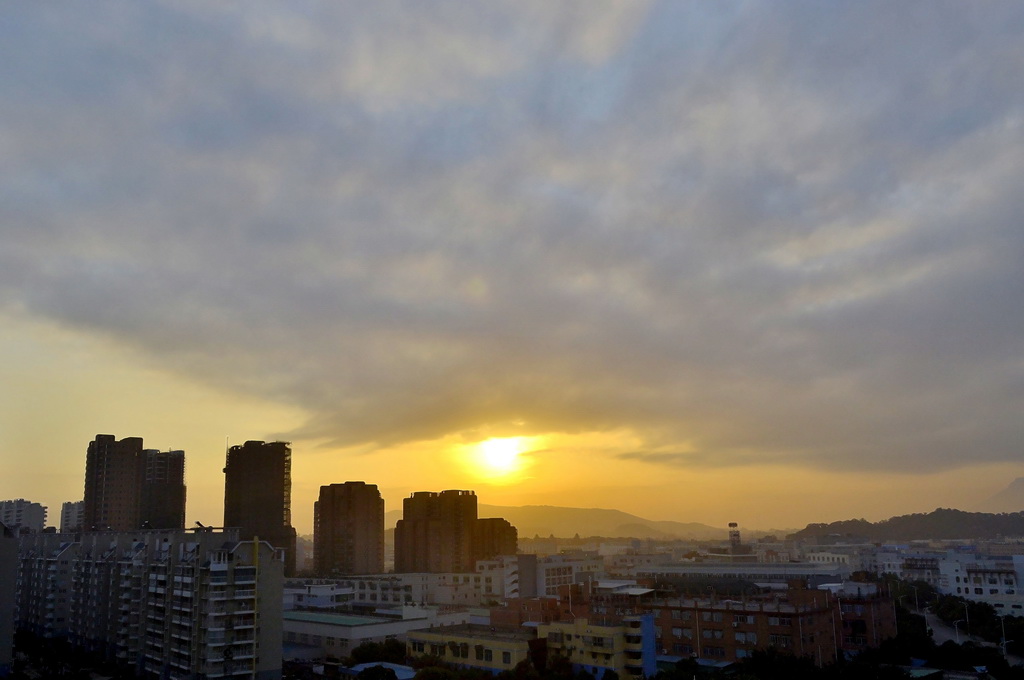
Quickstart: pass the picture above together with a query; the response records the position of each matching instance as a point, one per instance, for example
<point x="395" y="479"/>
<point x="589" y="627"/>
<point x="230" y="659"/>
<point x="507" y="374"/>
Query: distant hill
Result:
<point x="547" y="520"/>
<point x="941" y="523"/>
<point x="1010" y="499"/>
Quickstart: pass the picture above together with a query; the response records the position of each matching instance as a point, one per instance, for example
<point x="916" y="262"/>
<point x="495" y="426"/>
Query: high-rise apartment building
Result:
<point x="162" y="503"/>
<point x="127" y="488"/>
<point x="258" y="494"/>
<point x="72" y="516"/>
<point x="112" y="484"/>
<point x="348" y="528"/>
<point x="160" y="604"/>
<point x="494" y="536"/>
<point x="23" y="516"/>
<point x="435" y="533"/>
<point x="440" y="532"/>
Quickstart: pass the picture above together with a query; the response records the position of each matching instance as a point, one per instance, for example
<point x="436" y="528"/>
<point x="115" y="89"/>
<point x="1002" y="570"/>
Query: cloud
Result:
<point x="750" y="234"/>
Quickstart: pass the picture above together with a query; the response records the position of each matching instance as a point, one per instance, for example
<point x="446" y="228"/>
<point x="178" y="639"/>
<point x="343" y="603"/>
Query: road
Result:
<point x="941" y="633"/>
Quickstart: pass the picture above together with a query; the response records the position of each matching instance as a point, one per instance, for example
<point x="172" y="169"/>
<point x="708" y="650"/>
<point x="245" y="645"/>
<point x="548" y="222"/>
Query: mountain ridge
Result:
<point x="1010" y="499"/>
<point x="941" y="523"/>
<point x="564" y="522"/>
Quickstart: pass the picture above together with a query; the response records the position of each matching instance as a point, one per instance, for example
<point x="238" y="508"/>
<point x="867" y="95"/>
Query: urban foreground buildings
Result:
<point x="626" y="645"/>
<point x="440" y="532"/>
<point x="8" y="595"/>
<point x="258" y="495"/>
<point x="162" y="604"/>
<point x="128" y="488"/>
<point x="348" y="529"/>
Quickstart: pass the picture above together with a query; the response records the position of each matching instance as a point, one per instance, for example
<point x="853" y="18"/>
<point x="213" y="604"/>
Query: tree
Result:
<point x="390" y="651"/>
<point x="435" y="673"/>
<point x="377" y="673"/>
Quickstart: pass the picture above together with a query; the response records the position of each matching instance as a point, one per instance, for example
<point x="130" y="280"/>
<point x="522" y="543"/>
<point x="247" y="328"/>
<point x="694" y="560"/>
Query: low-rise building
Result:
<point x="765" y="574"/>
<point x="992" y="580"/>
<point x="625" y="645"/>
<point x="476" y="646"/>
<point x="317" y="594"/>
<point x="335" y="634"/>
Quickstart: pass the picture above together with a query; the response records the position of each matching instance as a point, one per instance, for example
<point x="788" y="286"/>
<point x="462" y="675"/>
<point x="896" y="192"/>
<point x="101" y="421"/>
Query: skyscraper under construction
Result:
<point x="258" y="495"/>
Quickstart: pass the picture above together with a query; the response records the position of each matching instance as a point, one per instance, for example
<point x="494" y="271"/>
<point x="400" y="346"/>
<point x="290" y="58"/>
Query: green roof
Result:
<point x="334" y="619"/>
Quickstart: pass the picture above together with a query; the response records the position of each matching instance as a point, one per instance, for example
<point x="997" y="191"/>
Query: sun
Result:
<point x="500" y="456"/>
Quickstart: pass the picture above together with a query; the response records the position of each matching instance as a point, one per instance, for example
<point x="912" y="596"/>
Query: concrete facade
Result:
<point x="348" y="528"/>
<point x="474" y="646"/>
<point x="258" y="495"/>
<point x="165" y="604"/>
<point x="626" y="646"/>
<point x="20" y="515"/>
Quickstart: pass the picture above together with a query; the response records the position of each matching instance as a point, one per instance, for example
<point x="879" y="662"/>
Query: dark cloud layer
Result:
<point x="754" y="233"/>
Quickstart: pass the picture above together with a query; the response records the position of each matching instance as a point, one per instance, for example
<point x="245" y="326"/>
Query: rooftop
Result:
<point x="335" y="619"/>
<point x="480" y="632"/>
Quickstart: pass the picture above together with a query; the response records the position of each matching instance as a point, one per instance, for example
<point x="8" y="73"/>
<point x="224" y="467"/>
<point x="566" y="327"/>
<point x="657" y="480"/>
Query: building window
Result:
<point x="506" y="658"/>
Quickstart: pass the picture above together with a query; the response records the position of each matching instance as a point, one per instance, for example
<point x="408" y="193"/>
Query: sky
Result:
<point x="755" y="262"/>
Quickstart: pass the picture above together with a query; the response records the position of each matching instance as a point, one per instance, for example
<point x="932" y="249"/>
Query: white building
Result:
<point x="317" y="594"/>
<point x="559" y="570"/>
<point x="72" y="516"/>
<point x="20" y="515"/>
<point x="992" y="580"/>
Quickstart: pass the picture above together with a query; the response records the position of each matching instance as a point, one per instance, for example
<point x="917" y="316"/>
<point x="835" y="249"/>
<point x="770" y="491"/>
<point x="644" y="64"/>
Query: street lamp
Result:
<point x="956" y="627"/>
<point x="917" y="607"/>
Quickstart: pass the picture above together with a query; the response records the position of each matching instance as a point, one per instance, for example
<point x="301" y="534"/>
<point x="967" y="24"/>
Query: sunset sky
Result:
<point x="750" y="261"/>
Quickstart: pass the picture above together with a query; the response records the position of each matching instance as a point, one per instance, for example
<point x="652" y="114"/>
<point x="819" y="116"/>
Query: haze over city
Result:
<point x="752" y="262"/>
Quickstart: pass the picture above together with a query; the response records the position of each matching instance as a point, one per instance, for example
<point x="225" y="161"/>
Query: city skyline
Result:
<point x="751" y="263"/>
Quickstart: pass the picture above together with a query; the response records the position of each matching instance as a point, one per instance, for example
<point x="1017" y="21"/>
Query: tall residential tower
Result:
<point x="440" y="532"/>
<point x="128" y="488"/>
<point x="112" y="484"/>
<point x="258" y="495"/>
<point x="348" y="527"/>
